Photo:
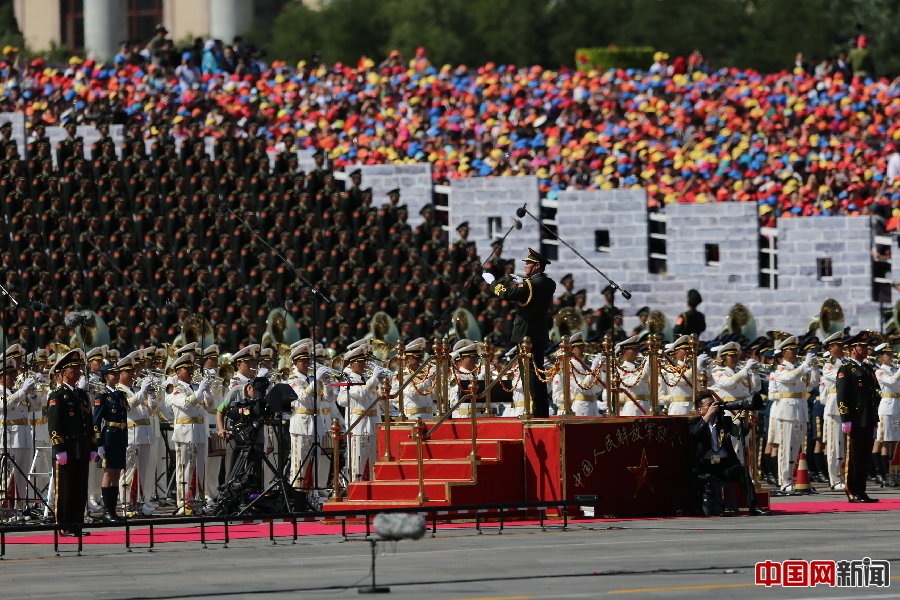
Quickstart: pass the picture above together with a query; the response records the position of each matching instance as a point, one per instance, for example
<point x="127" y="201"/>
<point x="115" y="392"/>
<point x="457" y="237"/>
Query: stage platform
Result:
<point x="633" y="466"/>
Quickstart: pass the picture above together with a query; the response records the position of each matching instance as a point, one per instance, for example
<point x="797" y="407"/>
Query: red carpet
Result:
<point x="141" y="537"/>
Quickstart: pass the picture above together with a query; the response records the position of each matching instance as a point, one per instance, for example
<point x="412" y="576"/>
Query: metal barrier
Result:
<point x="478" y="511"/>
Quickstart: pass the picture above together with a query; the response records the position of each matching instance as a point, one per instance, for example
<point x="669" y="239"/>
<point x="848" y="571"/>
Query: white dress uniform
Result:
<point x="635" y="380"/>
<point x="362" y="438"/>
<point x="889" y="408"/>
<point x="37" y="418"/>
<point x="310" y="418"/>
<point x="729" y="386"/>
<point x="678" y="392"/>
<point x="418" y="395"/>
<point x="213" y="463"/>
<point x="18" y="435"/>
<point x="137" y="481"/>
<point x="583" y="390"/>
<point x="793" y="416"/>
<point x="464" y="410"/>
<point x="832" y="435"/>
<point x="190" y="436"/>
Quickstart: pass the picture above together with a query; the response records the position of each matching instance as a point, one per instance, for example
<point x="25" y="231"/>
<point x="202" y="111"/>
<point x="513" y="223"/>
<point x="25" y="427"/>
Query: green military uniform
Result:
<point x="692" y="321"/>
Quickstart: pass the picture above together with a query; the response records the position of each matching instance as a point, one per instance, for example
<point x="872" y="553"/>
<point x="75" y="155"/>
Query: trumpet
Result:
<point x="209" y="374"/>
<point x="157" y="378"/>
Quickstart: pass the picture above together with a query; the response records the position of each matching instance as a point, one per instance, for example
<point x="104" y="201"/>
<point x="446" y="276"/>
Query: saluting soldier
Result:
<point x="857" y="398"/>
<point x="534" y="295"/>
<point x="110" y="429"/>
<point x="70" y="419"/>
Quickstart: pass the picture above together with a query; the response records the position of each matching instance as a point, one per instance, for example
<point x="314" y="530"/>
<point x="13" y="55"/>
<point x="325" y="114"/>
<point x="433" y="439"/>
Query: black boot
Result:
<point x="110" y="499"/>
<point x="823" y="467"/>
<point x="876" y="465"/>
<point x="772" y="478"/>
<point x="886" y="469"/>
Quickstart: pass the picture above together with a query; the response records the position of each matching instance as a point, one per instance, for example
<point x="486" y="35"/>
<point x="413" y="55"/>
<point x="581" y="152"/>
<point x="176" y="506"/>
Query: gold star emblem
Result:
<point x="642" y="473"/>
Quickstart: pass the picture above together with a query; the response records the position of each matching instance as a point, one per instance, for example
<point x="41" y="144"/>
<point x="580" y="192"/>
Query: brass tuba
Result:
<point x="830" y="319"/>
<point x="566" y="322"/>
<point x="740" y="321"/>
<point x="466" y="325"/>
<point x="893" y="325"/>
<point x="657" y="322"/>
<point x="280" y="328"/>
<point x="196" y="328"/>
<point x="384" y="335"/>
<point x="92" y="335"/>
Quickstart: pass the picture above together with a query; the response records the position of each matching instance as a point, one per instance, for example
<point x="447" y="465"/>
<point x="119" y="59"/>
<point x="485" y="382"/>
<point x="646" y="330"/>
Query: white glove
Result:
<point x="81" y="385"/>
<point x="39" y="378"/>
<point x="203" y="388"/>
<point x="145" y="385"/>
<point x="62" y="457"/>
<point x="602" y="405"/>
<point x="28" y="384"/>
<point x="322" y="372"/>
<point x="487" y="277"/>
<point x="101" y="452"/>
<point x="598" y="360"/>
<point x="808" y="359"/>
<point x="262" y="372"/>
<point x="381" y="372"/>
<point x="751" y="363"/>
<point x="516" y="279"/>
<point x="702" y="360"/>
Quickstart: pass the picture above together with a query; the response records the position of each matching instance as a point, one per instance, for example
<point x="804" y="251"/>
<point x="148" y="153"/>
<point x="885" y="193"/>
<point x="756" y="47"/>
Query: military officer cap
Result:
<point x="186" y="360"/>
<point x="6" y="126"/>
<point x="809" y="344"/>
<point x="682" y="342"/>
<point x="884" y="348"/>
<point x="8" y="367"/>
<point x="860" y="339"/>
<point x="108" y="369"/>
<point x="643" y="312"/>
<point x="608" y="290"/>
<point x="299" y="342"/>
<point x="464" y="348"/>
<point x="302" y="351"/>
<point x="581" y="294"/>
<point x="98" y="353"/>
<point x="320" y="351"/>
<point x="246" y="353"/>
<point x="788" y="343"/>
<point x="463" y="225"/>
<point x="363" y="343"/>
<point x="186" y="349"/>
<point x="160" y="354"/>
<point x="536" y="257"/>
<point x="210" y="352"/>
<point x="632" y="342"/>
<point x="136" y="355"/>
<point x="497" y="244"/>
<point x="267" y="353"/>
<point x="149" y="351"/>
<point x="427" y="208"/>
<point x="69" y="359"/>
<point x="834" y="338"/>
<point x="394" y="192"/>
<point x="126" y="364"/>
<point x="416" y="347"/>
<point x="356" y="173"/>
<point x="729" y="349"/>
<point x="567" y="278"/>
<point x="356" y="354"/>
<point x="577" y="339"/>
<point x="694" y="298"/>
<point x="318" y="154"/>
<point x="112" y="355"/>
<point x="15" y="351"/>
<point x="41" y="355"/>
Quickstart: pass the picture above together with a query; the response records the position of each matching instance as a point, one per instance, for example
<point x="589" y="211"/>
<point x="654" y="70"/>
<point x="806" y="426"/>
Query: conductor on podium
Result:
<point x="534" y="297"/>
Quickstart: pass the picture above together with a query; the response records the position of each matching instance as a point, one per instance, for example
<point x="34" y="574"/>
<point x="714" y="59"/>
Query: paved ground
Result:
<point x="671" y="559"/>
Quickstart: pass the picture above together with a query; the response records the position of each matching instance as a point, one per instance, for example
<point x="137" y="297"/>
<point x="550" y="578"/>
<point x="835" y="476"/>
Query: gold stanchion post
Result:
<point x="565" y="356"/>
<point x="525" y="373"/>
<point x="654" y="373"/>
<point x="612" y="398"/>
<point x="401" y="373"/>
<point x="695" y="351"/>
<point x="386" y="396"/>
<point x="336" y="435"/>
<point x="488" y="358"/>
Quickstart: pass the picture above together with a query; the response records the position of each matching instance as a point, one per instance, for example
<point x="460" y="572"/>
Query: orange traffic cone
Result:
<point x="801" y="481"/>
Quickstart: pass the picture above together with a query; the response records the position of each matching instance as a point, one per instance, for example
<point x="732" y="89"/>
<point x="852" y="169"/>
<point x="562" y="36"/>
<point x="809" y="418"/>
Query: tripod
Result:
<point x="7" y="461"/>
<point x="247" y="473"/>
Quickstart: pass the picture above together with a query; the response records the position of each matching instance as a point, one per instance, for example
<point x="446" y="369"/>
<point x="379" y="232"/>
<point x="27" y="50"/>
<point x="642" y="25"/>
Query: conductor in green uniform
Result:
<point x="534" y="297"/>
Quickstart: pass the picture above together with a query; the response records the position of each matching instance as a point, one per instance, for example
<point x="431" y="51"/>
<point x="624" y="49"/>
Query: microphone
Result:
<point x="289" y="305"/>
<point x="37" y="307"/>
<point x="399" y="526"/>
<point x="205" y="303"/>
<point x="270" y="303"/>
<point x="168" y="308"/>
<point x="520" y="212"/>
<point x="517" y="224"/>
<point x="625" y="294"/>
<point x="223" y="208"/>
<point x="72" y="320"/>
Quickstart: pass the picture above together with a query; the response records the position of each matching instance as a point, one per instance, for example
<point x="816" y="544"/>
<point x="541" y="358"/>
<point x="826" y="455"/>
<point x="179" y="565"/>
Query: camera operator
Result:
<point x="244" y="361"/>
<point x="734" y="382"/>
<point x="714" y="457"/>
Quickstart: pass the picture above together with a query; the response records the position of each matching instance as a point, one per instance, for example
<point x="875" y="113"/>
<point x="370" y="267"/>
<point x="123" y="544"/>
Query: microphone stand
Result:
<point x="5" y="457"/>
<point x="312" y="454"/>
<point x="521" y="212"/>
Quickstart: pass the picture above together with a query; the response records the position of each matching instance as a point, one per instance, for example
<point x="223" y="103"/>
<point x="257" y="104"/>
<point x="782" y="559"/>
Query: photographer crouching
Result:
<point x="714" y="458"/>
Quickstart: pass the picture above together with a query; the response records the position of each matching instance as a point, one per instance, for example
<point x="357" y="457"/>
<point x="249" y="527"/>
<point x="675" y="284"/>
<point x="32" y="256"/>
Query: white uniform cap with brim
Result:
<point x="8" y="367"/>
<point x="632" y="342"/>
<point x="186" y="360"/>
<point x="303" y="341"/>
<point x="417" y="346"/>
<point x="683" y="340"/>
<point x="72" y="357"/>
<point x="363" y="343"/>
<point x="356" y="354"/>
<point x="834" y="338"/>
<point x="576" y="338"/>
<point x="302" y="351"/>
<point x="41" y="353"/>
<point x="98" y="353"/>
<point x="126" y="364"/>
<point x="881" y="348"/>
<point x="726" y="349"/>
<point x="246" y="353"/>
<point x="464" y="348"/>
<point x="112" y="355"/>
<point x="160" y="353"/>
<point x="136" y="355"/>
<point x="149" y="351"/>
<point x="187" y="348"/>
<point x="15" y="351"/>
<point x="786" y="344"/>
<point x="211" y="351"/>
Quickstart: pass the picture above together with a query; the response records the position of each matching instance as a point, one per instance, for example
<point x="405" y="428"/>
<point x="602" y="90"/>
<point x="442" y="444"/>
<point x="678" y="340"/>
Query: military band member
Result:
<point x="534" y="297"/>
<point x="361" y="405"/>
<point x="110" y="429"/>
<point x="96" y="358"/>
<point x="418" y="395"/>
<point x="888" y="435"/>
<point x="583" y="384"/>
<point x="69" y="417"/>
<point x="17" y="434"/>
<point x="792" y="412"/>
<point x="464" y="357"/>
<point x="209" y="361"/>
<point x="678" y="395"/>
<point x="635" y="377"/>
<point x="158" y="447"/>
<point x="857" y="398"/>
<point x="37" y="417"/>
<point x="310" y="418"/>
<point x="731" y="382"/>
<point x="831" y="427"/>
<point x="191" y="434"/>
<point x="137" y="481"/>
